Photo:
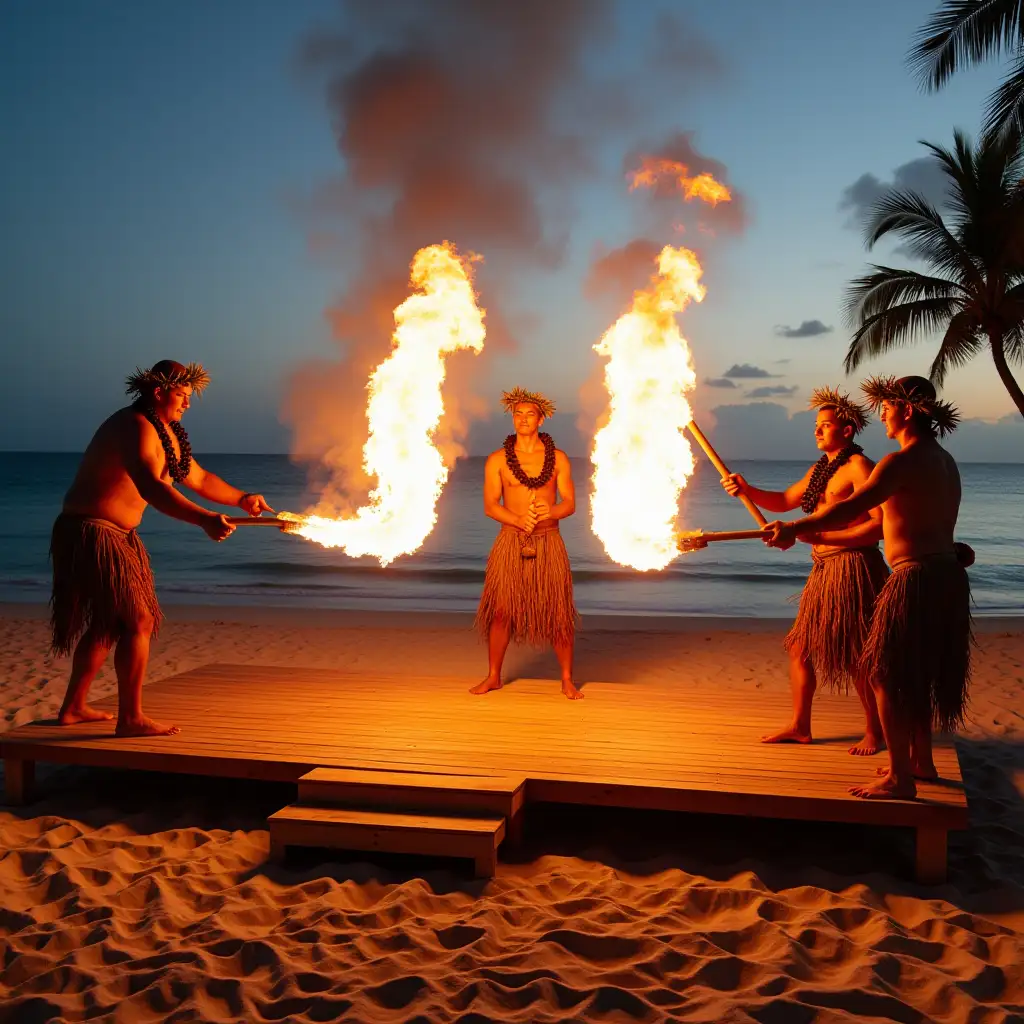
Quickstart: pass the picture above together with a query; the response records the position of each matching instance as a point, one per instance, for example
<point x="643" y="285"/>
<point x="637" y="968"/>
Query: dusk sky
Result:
<point x="172" y="185"/>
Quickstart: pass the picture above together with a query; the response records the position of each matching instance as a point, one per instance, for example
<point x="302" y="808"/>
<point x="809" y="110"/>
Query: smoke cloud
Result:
<point x="447" y="119"/>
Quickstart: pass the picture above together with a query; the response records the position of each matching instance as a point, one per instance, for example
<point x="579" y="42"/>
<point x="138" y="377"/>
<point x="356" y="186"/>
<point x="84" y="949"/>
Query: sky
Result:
<point x="244" y="182"/>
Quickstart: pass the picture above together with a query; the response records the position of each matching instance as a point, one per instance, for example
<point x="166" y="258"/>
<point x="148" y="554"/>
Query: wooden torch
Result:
<point x="722" y="468"/>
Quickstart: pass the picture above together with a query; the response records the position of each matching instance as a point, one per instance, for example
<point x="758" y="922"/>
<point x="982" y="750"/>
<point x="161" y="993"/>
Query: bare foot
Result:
<point x="867" y="746"/>
<point x="571" y="691"/>
<point x="72" y="716"/>
<point x="486" y="686"/>
<point x="790" y="735"/>
<point x="145" y="727"/>
<point x="886" y="788"/>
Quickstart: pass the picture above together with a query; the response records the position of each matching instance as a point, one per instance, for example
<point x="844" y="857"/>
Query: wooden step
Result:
<point x="498" y="796"/>
<point x="343" y="828"/>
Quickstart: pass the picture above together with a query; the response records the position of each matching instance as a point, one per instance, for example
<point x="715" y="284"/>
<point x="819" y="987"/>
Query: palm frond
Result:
<point x="962" y="342"/>
<point x="1005" y="113"/>
<point x="899" y="325"/>
<point x="1011" y="313"/>
<point x="965" y="32"/>
<point x="874" y="293"/>
<point x="924" y="232"/>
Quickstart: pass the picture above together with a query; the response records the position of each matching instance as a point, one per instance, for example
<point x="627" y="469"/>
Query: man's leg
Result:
<point x="802" y="684"/>
<point x="131" y="656"/>
<point x="921" y="751"/>
<point x="88" y="659"/>
<point x="898" y="782"/>
<point x="873" y="740"/>
<point x="921" y="759"/>
<point x="564" y="654"/>
<point x="497" y="644"/>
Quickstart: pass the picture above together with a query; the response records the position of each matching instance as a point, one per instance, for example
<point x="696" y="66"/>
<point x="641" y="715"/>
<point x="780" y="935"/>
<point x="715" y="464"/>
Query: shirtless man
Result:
<point x="917" y="656"/>
<point x="827" y="639"/>
<point x="527" y="594"/>
<point x="103" y="592"/>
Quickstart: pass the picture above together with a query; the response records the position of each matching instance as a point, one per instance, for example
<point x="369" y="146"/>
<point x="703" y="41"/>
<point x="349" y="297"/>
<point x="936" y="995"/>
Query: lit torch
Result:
<point x="641" y="457"/>
<point x="404" y="409"/>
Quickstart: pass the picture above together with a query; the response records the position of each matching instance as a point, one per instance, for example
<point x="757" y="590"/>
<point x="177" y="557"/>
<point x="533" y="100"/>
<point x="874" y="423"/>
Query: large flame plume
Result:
<point x="404" y="409"/>
<point x="655" y="170"/>
<point x="641" y="457"/>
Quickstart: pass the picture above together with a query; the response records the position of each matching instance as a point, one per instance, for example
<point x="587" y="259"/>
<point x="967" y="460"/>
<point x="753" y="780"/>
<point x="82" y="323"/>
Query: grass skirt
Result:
<point x="919" y="647"/>
<point x="534" y="595"/>
<point x="101" y="581"/>
<point x="832" y="624"/>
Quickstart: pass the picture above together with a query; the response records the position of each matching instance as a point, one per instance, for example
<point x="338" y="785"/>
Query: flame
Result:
<point x="654" y="169"/>
<point x="404" y="409"/>
<point x="641" y="457"/>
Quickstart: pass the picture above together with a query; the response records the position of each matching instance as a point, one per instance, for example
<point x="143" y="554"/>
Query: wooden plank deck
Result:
<point x="627" y="744"/>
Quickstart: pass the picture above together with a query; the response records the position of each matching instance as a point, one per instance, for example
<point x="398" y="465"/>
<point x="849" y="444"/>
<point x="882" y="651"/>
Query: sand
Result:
<point x="138" y="897"/>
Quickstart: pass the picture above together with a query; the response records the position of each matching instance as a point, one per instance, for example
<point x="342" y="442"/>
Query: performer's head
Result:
<point x="910" y="404"/>
<point x="839" y="419"/>
<point x="529" y="409"/>
<point x="167" y="387"/>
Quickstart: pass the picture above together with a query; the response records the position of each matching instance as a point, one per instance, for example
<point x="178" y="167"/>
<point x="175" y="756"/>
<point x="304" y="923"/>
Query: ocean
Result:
<point x="265" y="567"/>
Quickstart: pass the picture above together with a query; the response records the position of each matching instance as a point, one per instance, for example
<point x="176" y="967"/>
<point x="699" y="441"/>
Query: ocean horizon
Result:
<point x="267" y="568"/>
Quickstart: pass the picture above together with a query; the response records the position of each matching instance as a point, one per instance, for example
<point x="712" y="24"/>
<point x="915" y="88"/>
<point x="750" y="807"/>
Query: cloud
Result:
<point x="719" y="382"/>
<point x="807" y="329"/>
<point x="922" y="175"/>
<point x="745" y="371"/>
<point x="773" y="391"/>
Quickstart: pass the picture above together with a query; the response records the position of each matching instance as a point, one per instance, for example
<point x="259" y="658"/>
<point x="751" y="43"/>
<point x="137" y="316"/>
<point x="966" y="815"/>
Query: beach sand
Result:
<point x="136" y="897"/>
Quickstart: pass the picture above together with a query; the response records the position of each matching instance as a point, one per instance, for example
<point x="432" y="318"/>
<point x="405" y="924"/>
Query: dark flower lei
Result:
<point x="824" y="470"/>
<point x="178" y="468"/>
<point x="546" y="473"/>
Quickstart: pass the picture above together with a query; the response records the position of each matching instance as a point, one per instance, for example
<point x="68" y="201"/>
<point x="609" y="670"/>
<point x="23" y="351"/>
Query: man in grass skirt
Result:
<point x="827" y="639"/>
<point x="918" y="653"/>
<point x="527" y="593"/>
<point x="103" y="590"/>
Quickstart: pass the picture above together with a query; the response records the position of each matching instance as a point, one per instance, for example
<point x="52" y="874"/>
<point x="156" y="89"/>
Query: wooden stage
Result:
<point x="419" y="765"/>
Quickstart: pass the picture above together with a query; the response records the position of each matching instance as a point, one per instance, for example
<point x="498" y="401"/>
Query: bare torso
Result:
<point x="920" y="517"/>
<point x="842" y="485"/>
<point x="514" y="495"/>
<point x="103" y="486"/>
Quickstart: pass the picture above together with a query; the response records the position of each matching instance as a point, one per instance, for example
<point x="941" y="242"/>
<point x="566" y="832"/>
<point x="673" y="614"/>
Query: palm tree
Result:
<point x="966" y="32"/>
<point x="974" y="291"/>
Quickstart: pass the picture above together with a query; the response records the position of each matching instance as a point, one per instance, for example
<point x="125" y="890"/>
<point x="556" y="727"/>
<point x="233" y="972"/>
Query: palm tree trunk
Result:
<point x="999" y="358"/>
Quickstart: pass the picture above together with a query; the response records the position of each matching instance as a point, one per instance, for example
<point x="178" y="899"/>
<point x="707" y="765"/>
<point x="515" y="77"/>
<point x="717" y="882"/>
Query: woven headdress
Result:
<point x="166" y="375"/>
<point x="919" y="394"/>
<point x="847" y="410"/>
<point x="510" y="399"/>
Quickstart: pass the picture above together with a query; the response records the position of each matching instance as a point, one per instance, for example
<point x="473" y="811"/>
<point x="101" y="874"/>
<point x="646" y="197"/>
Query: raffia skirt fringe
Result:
<point x="534" y="595"/>
<point x="834" y="618"/>
<point x="101" y="581"/>
<point x="919" y="647"/>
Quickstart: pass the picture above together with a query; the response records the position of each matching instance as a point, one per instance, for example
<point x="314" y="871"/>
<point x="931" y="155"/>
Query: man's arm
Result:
<point x="771" y="501"/>
<point x="143" y="462"/>
<point x="862" y="534"/>
<point x="881" y="485"/>
<point x="213" y="488"/>
<point x="566" y="504"/>
<point x="492" y="496"/>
